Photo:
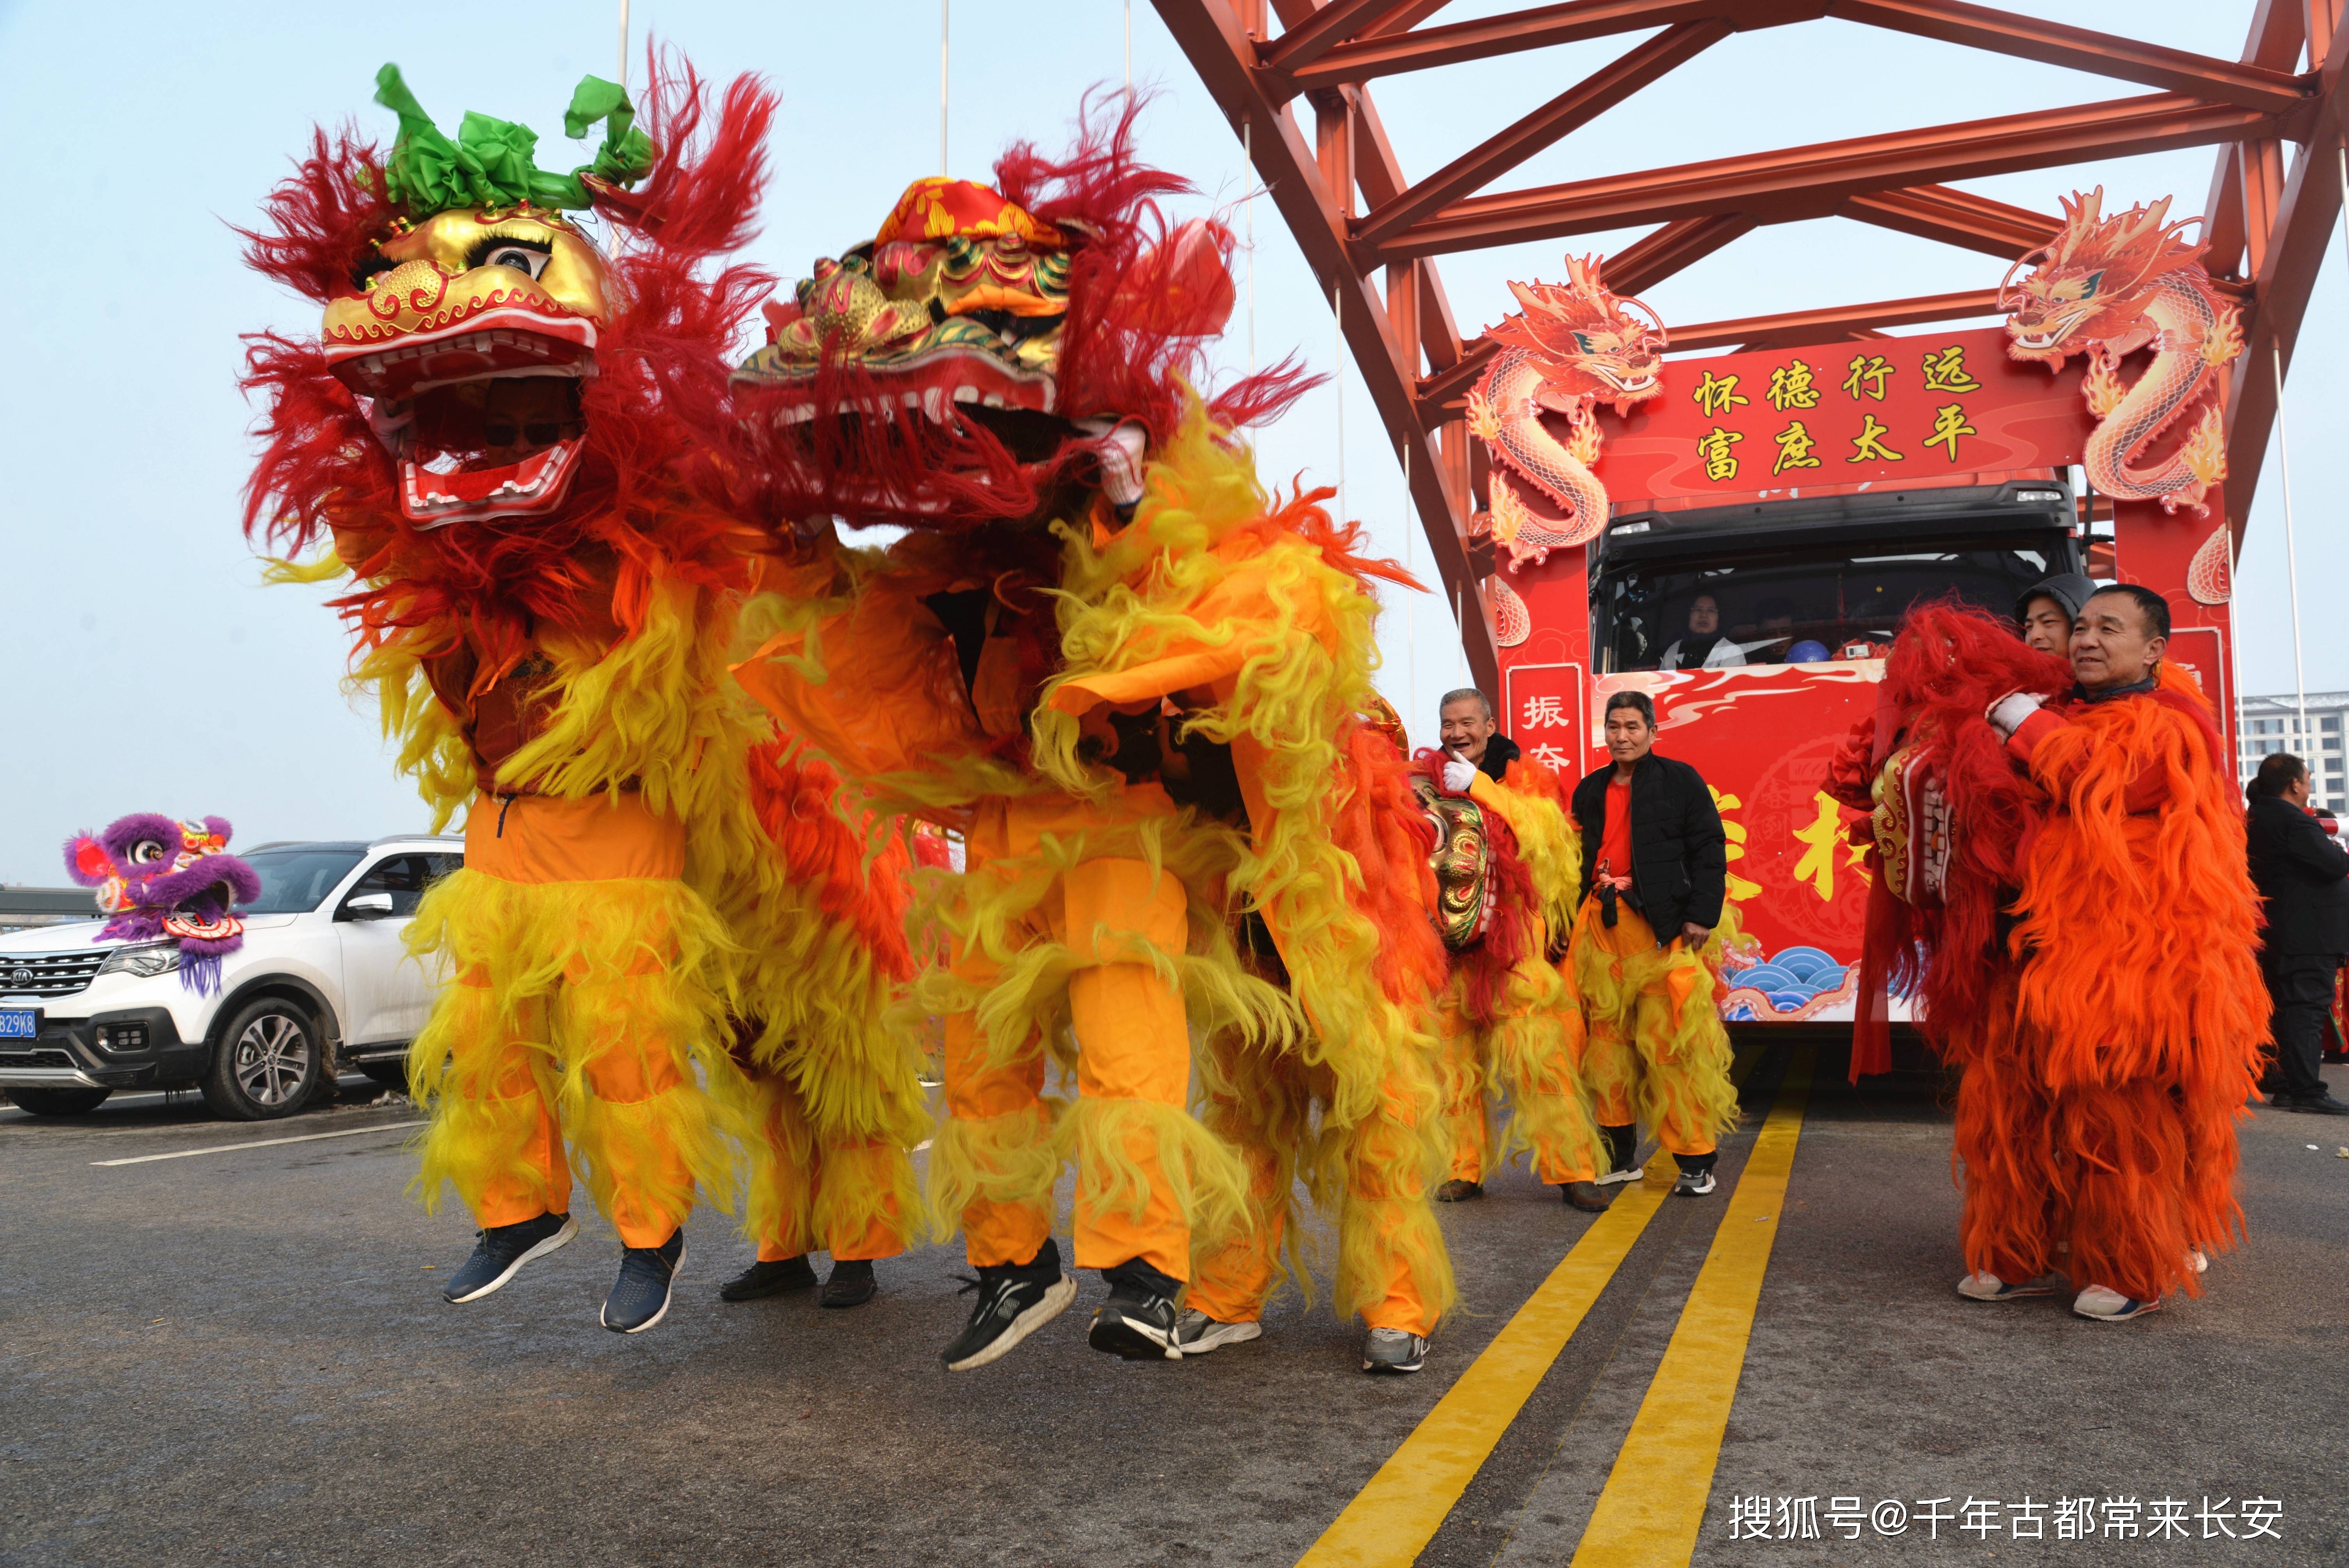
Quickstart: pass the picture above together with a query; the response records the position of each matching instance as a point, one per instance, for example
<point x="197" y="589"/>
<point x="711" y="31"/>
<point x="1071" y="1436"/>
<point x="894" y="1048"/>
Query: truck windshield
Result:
<point x="296" y="880"/>
<point x="1800" y="605"/>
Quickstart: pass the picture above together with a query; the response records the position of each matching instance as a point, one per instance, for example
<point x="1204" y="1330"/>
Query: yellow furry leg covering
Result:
<point x="1659" y="1002"/>
<point x="1256" y="1101"/>
<point x="1392" y="1267"/>
<point x="1533" y="1052"/>
<point x="618" y="969"/>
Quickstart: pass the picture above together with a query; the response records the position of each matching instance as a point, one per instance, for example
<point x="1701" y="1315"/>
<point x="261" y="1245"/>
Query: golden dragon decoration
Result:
<point x="2107" y="287"/>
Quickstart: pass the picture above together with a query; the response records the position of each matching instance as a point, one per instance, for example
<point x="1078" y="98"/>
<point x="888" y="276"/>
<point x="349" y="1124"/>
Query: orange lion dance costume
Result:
<point x="1130" y="681"/>
<point x="656" y="941"/>
<point x="2074" y="916"/>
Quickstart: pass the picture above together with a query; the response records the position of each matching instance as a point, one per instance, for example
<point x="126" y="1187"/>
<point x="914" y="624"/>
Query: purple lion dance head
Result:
<point x="165" y="879"/>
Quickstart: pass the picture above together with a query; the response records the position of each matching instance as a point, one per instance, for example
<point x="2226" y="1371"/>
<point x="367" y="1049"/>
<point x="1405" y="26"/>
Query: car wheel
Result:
<point x="58" y="1101"/>
<point x="391" y="1074"/>
<point x="267" y="1062"/>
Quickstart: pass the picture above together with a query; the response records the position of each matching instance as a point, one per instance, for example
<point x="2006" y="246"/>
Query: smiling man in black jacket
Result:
<point x="1654" y="872"/>
<point x="2303" y="876"/>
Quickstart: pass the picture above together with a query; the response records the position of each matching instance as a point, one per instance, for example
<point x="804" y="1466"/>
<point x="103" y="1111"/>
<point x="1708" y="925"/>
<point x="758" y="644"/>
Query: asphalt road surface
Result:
<point x="241" y="1356"/>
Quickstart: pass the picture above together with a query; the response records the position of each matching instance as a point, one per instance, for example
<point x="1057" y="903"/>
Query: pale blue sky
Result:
<point x="150" y="671"/>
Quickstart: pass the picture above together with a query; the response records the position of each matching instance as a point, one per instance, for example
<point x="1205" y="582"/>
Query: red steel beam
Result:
<point x="1423" y="48"/>
<point x="1224" y="57"/>
<point x="1325" y="29"/>
<point x="1954" y="217"/>
<point x="2295" y="249"/>
<point x="1810" y="181"/>
<point x="1571" y="109"/>
<point x="2248" y="84"/>
<point x="1794" y="329"/>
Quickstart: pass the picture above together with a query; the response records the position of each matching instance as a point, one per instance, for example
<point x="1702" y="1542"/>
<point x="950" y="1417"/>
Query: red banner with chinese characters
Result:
<point x="1886" y="411"/>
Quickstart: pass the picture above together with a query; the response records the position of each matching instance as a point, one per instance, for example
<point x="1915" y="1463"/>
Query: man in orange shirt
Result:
<point x="1655" y="864"/>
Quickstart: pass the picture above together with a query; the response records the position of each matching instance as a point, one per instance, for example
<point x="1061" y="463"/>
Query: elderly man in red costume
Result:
<point x="2067" y="903"/>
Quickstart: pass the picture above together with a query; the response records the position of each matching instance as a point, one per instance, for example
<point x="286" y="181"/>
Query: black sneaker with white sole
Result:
<point x="1692" y="1184"/>
<point x="502" y="1250"/>
<point x="1393" y="1350"/>
<point x="1137" y="1322"/>
<point x="1014" y="1300"/>
<point x="640" y="1296"/>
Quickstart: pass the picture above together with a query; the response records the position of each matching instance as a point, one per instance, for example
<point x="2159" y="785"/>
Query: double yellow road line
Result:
<point x="1654" y="1503"/>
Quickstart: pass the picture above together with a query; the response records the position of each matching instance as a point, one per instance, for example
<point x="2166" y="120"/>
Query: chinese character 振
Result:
<point x="1720" y="462"/>
<point x="1715" y="393"/>
<point x="1946" y="371"/>
<point x="1790" y="388"/>
<point x="1949" y="424"/>
<point x="1868" y="444"/>
<point x="1795" y="445"/>
<point x="1867" y="377"/>
<point x="1546" y="713"/>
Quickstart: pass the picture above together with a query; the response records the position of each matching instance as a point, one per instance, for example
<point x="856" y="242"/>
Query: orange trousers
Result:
<point x="1391" y="1259"/>
<point x="1114" y="915"/>
<point x="1655" y="1049"/>
<point x="570" y="1019"/>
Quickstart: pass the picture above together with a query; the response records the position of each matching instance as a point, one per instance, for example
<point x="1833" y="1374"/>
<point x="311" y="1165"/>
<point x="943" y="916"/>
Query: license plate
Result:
<point x="19" y="1024"/>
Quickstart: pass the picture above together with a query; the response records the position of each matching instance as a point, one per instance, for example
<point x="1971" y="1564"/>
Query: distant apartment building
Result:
<point x="2271" y="724"/>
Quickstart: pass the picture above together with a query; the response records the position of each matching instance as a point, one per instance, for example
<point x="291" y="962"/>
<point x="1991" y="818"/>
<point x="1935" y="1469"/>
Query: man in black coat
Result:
<point x="1654" y="872"/>
<point x="2304" y="880"/>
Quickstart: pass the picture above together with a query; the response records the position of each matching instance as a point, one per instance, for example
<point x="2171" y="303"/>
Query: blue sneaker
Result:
<point x="502" y="1250"/>
<point x="639" y="1297"/>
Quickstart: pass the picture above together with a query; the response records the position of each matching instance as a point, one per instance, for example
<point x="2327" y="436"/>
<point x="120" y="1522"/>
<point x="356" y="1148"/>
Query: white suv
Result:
<point x="322" y="982"/>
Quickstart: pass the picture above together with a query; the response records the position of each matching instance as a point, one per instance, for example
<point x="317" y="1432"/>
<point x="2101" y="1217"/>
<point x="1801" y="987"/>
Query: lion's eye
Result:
<point x="520" y="258"/>
<point x="146" y="853"/>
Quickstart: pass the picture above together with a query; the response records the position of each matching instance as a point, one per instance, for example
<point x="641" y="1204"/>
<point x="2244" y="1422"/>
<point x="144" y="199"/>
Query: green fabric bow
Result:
<point x="490" y="163"/>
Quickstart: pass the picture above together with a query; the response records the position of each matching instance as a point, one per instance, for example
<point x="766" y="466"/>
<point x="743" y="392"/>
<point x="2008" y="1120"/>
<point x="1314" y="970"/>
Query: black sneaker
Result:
<point x="1587" y="1196"/>
<point x="1137" y="1322"/>
<point x="1393" y="1350"/>
<point x="851" y="1284"/>
<point x="1014" y="1300"/>
<point x="640" y="1295"/>
<point x="1692" y="1184"/>
<point x="502" y="1250"/>
<point x="764" y="1279"/>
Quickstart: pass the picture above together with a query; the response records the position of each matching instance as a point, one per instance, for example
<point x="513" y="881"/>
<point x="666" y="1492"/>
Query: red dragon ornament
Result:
<point x="1576" y="345"/>
<point x="2107" y="287"/>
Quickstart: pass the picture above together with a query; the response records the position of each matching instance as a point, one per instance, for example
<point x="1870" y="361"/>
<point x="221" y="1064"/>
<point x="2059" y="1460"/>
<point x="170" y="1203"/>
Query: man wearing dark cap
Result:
<point x="2048" y="608"/>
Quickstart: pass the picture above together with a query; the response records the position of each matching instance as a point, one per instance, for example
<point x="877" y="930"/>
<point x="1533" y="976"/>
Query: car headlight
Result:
<point x="157" y="958"/>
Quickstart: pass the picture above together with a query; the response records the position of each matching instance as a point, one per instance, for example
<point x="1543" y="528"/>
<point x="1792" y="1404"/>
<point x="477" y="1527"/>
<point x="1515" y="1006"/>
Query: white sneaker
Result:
<point x="2197" y="1262"/>
<point x="1196" y="1334"/>
<point x="2110" y="1305"/>
<point x="1613" y="1178"/>
<point x="1988" y="1286"/>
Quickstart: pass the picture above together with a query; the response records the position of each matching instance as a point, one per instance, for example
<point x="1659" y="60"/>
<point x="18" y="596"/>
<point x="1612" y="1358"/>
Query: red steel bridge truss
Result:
<point x="1374" y="238"/>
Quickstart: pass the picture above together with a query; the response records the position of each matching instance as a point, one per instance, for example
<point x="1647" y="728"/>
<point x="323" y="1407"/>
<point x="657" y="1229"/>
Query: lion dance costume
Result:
<point x="2072" y="912"/>
<point x="1131" y="683"/>
<point x="659" y="936"/>
<point x="1507" y="865"/>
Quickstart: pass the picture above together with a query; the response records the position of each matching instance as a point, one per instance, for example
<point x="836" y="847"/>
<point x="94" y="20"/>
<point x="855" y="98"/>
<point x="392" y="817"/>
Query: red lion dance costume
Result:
<point x="2072" y="914"/>
<point x="1131" y="682"/>
<point x="660" y="935"/>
